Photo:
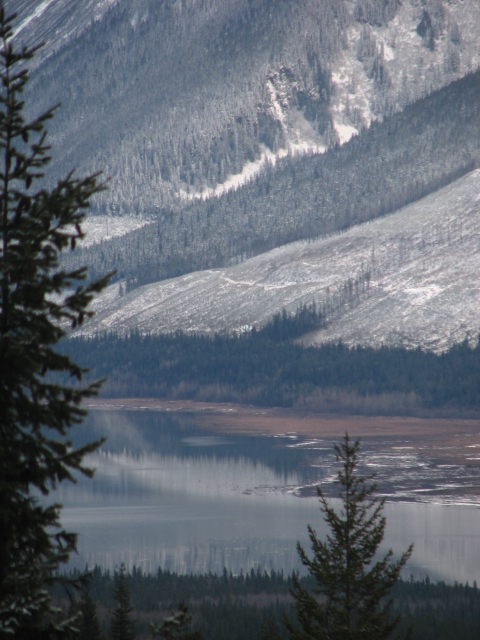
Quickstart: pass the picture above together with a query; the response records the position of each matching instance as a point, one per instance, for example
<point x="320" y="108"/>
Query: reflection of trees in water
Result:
<point x="178" y="435"/>
<point x="403" y="473"/>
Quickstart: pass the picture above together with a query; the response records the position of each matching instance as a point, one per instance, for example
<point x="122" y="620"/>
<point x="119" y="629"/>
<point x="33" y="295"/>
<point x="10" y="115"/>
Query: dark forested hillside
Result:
<point x="395" y="162"/>
<point x="245" y="607"/>
<point x="265" y="368"/>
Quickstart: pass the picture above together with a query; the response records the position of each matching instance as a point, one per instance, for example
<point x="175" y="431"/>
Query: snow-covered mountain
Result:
<point x="178" y="98"/>
<point x="181" y="101"/>
<point x="391" y="164"/>
<point x="410" y="278"/>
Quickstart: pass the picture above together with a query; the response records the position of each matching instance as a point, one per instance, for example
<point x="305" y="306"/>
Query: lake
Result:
<point x="168" y="493"/>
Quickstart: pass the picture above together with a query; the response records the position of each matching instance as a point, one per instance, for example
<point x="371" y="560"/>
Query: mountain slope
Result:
<point x="393" y="163"/>
<point x="177" y="100"/>
<point x="172" y="97"/>
<point x="54" y="22"/>
<point x="410" y="278"/>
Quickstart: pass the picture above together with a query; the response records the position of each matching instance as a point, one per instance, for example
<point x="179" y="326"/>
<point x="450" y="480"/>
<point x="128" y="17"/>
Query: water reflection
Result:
<point x="151" y="476"/>
<point x="168" y="494"/>
<point x="140" y="432"/>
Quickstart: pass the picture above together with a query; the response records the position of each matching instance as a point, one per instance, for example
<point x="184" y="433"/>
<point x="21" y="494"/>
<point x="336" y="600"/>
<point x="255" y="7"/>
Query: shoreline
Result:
<point x="249" y="420"/>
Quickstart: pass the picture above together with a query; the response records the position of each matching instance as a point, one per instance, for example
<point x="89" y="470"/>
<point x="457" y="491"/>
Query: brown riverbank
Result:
<point x="254" y="420"/>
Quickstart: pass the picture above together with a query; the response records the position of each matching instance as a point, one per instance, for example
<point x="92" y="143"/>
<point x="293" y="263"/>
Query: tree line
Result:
<point x="267" y="367"/>
<point x="251" y="606"/>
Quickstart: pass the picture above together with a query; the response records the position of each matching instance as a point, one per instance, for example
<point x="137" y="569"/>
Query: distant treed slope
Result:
<point x="393" y="163"/>
<point x="175" y="95"/>
<point x="261" y="368"/>
<point x="170" y="96"/>
<point x="53" y="22"/>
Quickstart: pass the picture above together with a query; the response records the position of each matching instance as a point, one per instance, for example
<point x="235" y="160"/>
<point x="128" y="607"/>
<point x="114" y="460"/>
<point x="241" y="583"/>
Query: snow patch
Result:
<point x="100" y="228"/>
<point x="251" y="170"/>
<point x="345" y="132"/>
<point x="421" y="295"/>
<point x="35" y="15"/>
<point x="275" y="106"/>
<point x="388" y="52"/>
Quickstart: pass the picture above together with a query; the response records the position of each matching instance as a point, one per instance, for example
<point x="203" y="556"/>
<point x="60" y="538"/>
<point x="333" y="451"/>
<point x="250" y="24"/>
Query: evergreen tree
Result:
<point x="122" y="626"/>
<point x="176" y="626"/>
<point x="270" y="630"/>
<point x="350" y="600"/>
<point x="89" y="625"/>
<point x="38" y="303"/>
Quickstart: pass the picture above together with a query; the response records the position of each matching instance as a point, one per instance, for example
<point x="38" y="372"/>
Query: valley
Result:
<point x="248" y="231"/>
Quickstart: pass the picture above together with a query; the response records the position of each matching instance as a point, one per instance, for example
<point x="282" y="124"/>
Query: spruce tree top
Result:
<point x="350" y="600"/>
<point x="122" y="626"/>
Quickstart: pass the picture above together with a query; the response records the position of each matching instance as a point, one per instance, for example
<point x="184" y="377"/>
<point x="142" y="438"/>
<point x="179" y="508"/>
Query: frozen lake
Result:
<point x="167" y="493"/>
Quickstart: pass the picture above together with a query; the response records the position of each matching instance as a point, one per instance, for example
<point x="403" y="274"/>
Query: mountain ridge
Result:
<point x="391" y="164"/>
